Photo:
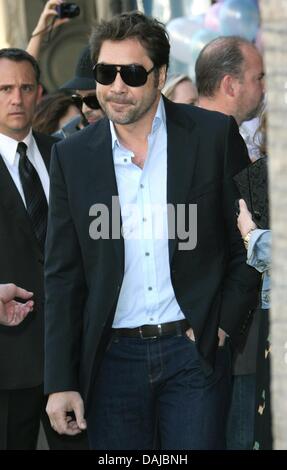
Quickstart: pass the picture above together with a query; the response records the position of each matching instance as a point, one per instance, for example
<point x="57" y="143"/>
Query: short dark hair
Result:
<point x="221" y="56"/>
<point x="148" y="31"/>
<point x="19" y="55"/>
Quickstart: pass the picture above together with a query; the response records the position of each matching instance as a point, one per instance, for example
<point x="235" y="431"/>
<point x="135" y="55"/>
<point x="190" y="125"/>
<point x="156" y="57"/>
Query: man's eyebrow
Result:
<point x="13" y="84"/>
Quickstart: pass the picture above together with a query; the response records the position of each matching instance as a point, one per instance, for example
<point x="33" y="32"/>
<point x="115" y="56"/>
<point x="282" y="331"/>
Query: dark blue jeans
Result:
<point x="240" y="424"/>
<point x="152" y="394"/>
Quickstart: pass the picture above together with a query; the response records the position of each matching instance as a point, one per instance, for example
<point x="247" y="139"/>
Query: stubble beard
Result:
<point x="255" y="112"/>
<point x="132" y="114"/>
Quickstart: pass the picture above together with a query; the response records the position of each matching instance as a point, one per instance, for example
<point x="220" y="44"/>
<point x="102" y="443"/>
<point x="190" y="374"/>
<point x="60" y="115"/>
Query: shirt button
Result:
<point x="125" y="160"/>
<point x="150" y="288"/>
<point x="147" y="254"/>
<point x="151" y="319"/>
<point x="144" y="219"/>
<point x="142" y="186"/>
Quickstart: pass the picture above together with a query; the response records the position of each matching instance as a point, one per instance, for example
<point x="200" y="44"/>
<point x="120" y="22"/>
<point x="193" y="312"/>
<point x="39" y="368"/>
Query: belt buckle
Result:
<point x="149" y="337"/>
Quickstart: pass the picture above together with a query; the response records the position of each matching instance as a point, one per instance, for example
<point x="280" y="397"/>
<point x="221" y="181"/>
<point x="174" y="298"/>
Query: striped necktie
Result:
<point x="35" y="198"/>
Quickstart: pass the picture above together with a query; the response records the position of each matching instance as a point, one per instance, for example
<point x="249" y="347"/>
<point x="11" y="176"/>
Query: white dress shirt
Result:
<point x="8" y="151"/>
<point x="147" y="296"/>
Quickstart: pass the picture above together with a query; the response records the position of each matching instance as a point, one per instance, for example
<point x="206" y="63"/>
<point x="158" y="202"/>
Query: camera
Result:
<point x="68" y="10"/>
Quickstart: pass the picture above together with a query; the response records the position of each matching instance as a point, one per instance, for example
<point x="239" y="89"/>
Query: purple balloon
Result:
<point x="211" y="20"/>
<point x="259" y="41"/>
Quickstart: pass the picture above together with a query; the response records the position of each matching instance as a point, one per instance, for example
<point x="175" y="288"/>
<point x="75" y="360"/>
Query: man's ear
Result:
<point x="39" y="92"/>
<point x="229" y="85"/>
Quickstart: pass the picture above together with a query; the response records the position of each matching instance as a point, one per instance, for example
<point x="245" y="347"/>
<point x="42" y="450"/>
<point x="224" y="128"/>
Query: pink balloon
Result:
<point x="211" y="20"/>
<point x="259" y="41"/>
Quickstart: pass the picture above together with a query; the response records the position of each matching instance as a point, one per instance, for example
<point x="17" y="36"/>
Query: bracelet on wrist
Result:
<point x="246" y="238"/>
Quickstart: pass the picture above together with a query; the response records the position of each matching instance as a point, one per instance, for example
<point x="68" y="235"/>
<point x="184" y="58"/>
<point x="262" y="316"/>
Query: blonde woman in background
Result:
<point x="181" y="89"/>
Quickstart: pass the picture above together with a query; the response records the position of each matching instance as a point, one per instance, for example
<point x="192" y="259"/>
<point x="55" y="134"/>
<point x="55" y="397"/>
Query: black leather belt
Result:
<point x="174" y="328"/>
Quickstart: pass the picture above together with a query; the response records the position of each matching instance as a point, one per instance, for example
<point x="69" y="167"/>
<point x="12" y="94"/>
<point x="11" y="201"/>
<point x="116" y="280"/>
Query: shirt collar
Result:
<point x="160" y="118"/>
<point x="8" y="146"/>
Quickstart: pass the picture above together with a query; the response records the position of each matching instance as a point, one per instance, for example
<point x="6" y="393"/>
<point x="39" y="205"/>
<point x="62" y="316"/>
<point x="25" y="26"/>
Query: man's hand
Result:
<point x="221" y="336"/>
<point x="11" y="312"/>
<point x="49" y="12"/>
<point x="189" y="333"/>
<point x="59" y="404"/>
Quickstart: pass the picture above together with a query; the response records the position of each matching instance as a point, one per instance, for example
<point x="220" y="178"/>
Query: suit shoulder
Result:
<point x="84" y="136"/>
<point x="206" y="117"/>
<point x="205" y="121"/>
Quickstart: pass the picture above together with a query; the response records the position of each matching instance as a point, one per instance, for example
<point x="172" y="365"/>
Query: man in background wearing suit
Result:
<point x="230" y="79"/>
<point x="24" y="186"/>
<point x="137" y="313"/>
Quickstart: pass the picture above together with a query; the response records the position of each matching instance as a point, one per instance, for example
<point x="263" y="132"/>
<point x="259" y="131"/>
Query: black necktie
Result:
<point x="35" y="198"/>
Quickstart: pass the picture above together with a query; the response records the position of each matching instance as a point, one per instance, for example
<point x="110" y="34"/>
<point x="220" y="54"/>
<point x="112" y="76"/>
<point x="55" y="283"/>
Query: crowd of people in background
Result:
<point x="147" y="346"/>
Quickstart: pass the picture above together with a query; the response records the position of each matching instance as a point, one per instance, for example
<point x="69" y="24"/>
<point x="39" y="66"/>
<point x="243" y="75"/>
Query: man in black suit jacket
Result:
<point x="230" y="79"/>
<point x="137" y="326"/>
<point x="21" y="348"/>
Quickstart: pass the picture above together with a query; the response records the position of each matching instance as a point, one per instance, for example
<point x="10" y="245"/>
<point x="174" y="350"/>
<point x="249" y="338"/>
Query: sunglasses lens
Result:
<point x="133" y="75"/>
<point x="91" y="101"/>
<point x="105" y="73"/>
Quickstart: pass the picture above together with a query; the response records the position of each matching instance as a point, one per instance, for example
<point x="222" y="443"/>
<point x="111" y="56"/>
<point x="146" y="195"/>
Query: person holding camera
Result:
<point x="48" y="20"/>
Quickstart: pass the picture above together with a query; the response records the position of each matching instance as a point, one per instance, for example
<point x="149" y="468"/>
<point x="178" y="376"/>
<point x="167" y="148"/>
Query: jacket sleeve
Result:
<point x="65" y="289"/>
<point x="259" y="250"/>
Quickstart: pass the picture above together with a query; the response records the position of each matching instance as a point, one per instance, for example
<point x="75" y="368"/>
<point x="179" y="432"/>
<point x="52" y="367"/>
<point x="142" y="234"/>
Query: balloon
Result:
<point x="194" y="8"/>
<point x="259" y="41"/>
<point x="240" y="18"/>
<point x="147" y="4"/>
<point x="161" y="10"/>
<point x="186" y="7"/>
<point x="181" y="31"/>
<point x="211" y="20"/>
<point x="199" y="39"/>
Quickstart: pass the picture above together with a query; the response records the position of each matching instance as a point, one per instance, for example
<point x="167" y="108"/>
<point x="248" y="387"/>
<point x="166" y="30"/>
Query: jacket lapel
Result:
<point x="13" y="203"/>
<point x="100" y="149"/>
<point x="182" y="145"/>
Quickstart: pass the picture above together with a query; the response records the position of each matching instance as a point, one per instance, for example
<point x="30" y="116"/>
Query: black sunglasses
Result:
<point x="90" y="100"/>
<point x="133" y="75"/>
